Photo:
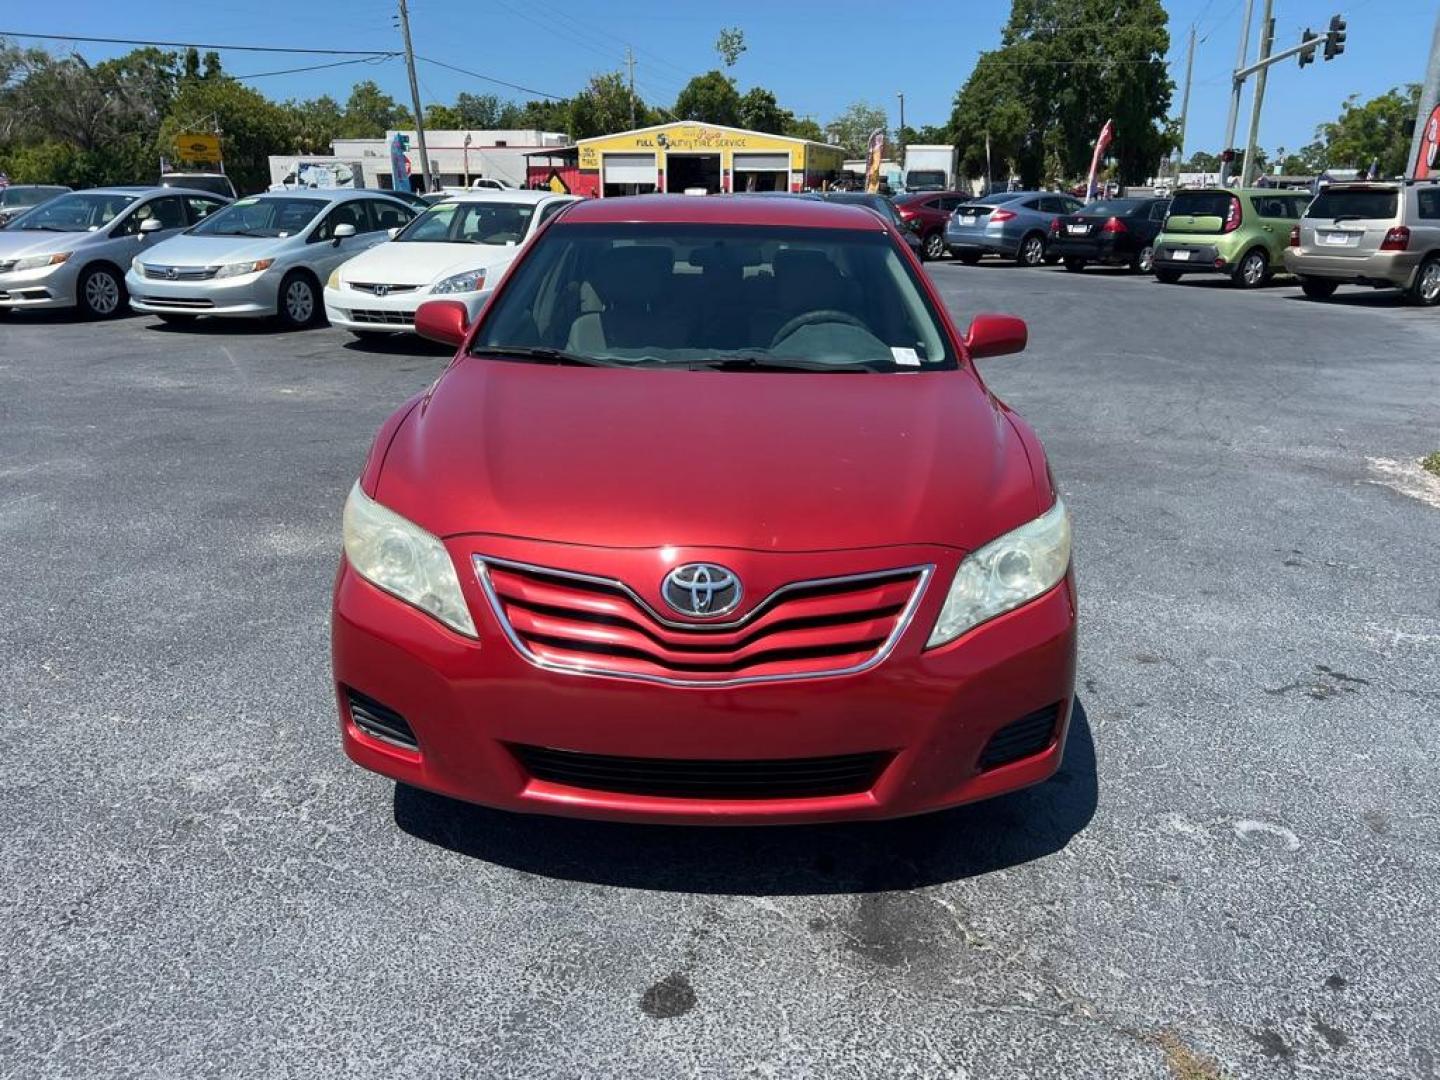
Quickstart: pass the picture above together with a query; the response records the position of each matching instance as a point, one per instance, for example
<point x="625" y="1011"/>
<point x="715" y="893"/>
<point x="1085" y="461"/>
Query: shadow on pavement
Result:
<point x="398" y="345"/>
<point x="1370" y="298"/>
<point x="782" y="860"/>
<point x="219" y="325"/>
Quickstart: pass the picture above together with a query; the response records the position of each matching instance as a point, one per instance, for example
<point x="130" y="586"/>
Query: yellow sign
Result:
<point x="683" y="138"/>
<point x="197" y="148"/>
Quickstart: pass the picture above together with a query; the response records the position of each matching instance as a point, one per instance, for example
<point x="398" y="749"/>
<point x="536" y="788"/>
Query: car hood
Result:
<point x="406" y="263"/>
<point x="212" y="250"/>
<point x="16" y="244"/>
<point x="647" y="458"/>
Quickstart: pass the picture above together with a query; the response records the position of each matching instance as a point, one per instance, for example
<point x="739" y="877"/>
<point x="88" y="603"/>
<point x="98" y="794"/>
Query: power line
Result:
<point x="490" y="78"/>
<point x="377" y="58"/>
<point x="198" y="45"/>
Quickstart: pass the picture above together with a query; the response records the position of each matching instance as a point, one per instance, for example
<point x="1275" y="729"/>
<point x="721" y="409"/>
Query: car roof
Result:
<point x="721" y="210"/>
<point x="508" y="195"/>
<point x="325" y="195"/>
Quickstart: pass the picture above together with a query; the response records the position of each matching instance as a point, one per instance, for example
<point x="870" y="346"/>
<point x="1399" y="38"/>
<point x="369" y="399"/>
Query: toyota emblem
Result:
<point x="702" y="590"/>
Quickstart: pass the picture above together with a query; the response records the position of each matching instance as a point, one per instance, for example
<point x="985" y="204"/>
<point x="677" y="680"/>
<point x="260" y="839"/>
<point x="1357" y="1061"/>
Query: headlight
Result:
<point x="236" y="269"/>
<point x="404" y="559"/>
<point x="42" y="260"/>
<point x="470" y="281"/>
<point x="333" y="282"/>
<point x="1006" y="573"/>
<point x="136" y="265"/>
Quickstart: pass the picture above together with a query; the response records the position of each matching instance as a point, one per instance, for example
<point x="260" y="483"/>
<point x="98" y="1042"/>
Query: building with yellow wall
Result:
<point x="686" y="156"/>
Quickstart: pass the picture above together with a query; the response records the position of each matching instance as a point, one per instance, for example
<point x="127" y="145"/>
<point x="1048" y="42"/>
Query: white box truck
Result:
<point x="930" y="168"/>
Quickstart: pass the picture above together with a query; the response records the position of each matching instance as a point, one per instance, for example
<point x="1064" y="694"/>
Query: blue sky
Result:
<point x="816" y="57"/>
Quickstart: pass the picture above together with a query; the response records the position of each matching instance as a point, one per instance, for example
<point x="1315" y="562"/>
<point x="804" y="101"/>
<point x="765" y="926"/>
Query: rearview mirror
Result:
<point x="151" y="225"/>
<point x="995" y="335"/>
<point x="445" y="321"/>
<point x="343" y="232"/>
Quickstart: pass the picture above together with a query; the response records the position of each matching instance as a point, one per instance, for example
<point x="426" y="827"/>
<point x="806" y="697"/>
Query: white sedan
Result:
<point x="457" y="249"/>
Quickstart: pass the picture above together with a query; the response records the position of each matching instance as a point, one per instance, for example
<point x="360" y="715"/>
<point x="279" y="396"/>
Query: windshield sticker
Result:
<point x="905" y="357"/>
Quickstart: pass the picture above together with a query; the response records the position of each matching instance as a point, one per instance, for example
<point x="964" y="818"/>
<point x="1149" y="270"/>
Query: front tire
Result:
<point x="1318" y="288"/>
<point x="298" y="305"/>
<point x="100" y="293"/>
<point x="934" y="247"/>
<point x="1252" y="271"/>
<point x="1031" y="251"/>
<point x="1426" y="290"/>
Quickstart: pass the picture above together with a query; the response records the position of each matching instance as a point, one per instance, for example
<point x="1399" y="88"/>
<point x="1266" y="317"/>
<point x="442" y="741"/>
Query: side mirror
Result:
<point x="343" y="232"/>
<point x="393" y="232"/>
<point x="995" y="335"/>
<point x="151" y="225"/>
<point x="445" y="321"/>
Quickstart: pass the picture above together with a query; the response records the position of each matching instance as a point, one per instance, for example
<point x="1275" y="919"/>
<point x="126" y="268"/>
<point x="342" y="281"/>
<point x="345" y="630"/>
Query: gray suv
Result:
<point x="1013" y="224"/>
<point x="1381" y="235"/>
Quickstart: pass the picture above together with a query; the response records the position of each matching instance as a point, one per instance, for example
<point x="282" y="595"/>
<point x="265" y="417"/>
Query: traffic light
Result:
<point x="1335" y="39"/>
<point x="1307" y="56"/>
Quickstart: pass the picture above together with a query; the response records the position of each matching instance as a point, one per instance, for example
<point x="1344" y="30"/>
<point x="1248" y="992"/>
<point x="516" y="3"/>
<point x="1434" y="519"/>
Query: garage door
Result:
<point x="629" y="168"/>
<point x="762" y="162"/>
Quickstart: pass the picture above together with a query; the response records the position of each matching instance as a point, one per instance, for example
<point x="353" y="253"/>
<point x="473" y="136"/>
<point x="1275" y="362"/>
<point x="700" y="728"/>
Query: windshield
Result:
<point x="1201" y="204"/>
<point x="27" y="196"/>
<point x="925" y="178"/>
<point x="261" y="217"/>
<point x="216" y="185"/>
<point x="497" y="223"/>
<point x="1354" y="204"/>
<point x="878" y="203"/>
<point x="81" y="212"/>
<point x="747" y="297"/>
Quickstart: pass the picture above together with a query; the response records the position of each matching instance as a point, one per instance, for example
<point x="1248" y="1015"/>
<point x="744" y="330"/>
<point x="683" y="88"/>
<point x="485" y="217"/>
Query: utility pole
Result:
<point x="414" y="99"/>
<point x="1185" y="100"/>
<point x="630" y="63"/>
<point x="1267" y="40"/>
<point x="1237" y="83"/>
<point x="901" y="133"/>
<point x="1429" y="97"/>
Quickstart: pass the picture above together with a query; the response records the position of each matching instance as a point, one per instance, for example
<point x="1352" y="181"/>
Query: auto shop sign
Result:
<point x="681" y="139"/>
<point x="197" y="148"/>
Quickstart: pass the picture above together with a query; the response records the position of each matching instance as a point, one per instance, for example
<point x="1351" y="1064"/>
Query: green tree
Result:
<point x="442" y="118"/>
<point x="730" y="45"/>
<point x="759" y="111"/>
<point x="604" y="107"/>
<point x="479" y="111"/>
<point x="1371" y="132"/>
<point x="852" y="128"/>
<point x="370" y="112"/>
<point x="1201" y="161"/>
<point x="251" y="127"/>
<point x="316" y="123"/>
<point x="710" y="98"/>
<point x="804" y="128"/>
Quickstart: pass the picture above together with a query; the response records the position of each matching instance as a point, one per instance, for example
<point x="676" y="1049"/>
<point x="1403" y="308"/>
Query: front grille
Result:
<point x="381" y="289"/>
<point x="596" y="626"/>
<point x="175" y="302"/>
<point x="1021" y="738"/>
<point x="380" y="721"/>
<point x="382" y="318"/>
<point x="179" y="273"/>
<point x="684" y="778"/>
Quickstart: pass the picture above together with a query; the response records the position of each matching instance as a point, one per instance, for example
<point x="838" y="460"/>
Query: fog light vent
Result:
<point x="380" y="721"/>
<point x="1021" y="738"/>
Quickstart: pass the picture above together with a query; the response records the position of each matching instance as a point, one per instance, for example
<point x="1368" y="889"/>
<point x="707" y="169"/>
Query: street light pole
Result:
<point x="1237" y="83"/>
<point x="414" y="99"/>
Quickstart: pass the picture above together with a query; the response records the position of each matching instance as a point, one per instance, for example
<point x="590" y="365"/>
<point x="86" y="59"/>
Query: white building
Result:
<point x="496" y="154"/>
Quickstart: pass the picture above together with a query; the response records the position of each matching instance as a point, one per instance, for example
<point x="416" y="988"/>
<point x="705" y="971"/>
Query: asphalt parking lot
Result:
<point x="1235" y="874"/>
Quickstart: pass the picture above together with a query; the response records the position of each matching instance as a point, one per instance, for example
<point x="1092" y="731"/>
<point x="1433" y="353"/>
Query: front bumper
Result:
<point x="250" y="296"/>
<point x="42" y="287"/>
<point x="352" y="309"/>
<point x="1383" y="269"/>
<point x="477" y="708"/>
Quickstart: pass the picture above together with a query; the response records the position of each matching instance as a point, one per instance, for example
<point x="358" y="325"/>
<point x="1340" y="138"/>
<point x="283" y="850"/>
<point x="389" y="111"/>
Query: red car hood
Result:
<point x="647" y="458"/>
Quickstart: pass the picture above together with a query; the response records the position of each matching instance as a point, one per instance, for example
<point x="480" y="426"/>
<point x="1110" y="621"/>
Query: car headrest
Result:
<point x="633" y="276"/>
<point x="807" y="281"/>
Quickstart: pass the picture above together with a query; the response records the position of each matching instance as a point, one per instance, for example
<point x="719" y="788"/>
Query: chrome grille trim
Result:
<point x="923" y="573"/>
<point x="157" y="272"/>
<point x="375" y="288"/>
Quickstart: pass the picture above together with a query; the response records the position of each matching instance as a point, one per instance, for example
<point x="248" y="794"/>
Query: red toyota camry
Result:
<point x="710" y="520"/>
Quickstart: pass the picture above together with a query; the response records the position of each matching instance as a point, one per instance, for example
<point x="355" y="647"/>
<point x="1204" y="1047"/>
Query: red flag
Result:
<point x="1107" y="133"/>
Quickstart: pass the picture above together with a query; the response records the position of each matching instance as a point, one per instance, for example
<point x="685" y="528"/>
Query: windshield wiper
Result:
<point x="48" y="228"/>
<point x="777" y="363"/>
<point x="1348" y="217"/>
<point x="541" y="355"/>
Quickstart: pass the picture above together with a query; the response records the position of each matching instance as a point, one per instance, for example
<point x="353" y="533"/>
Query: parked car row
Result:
<point x="295" y="255"/>
<point x="1373" y="234"/>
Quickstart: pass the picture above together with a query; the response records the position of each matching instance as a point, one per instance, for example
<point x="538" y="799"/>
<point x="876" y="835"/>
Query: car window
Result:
<point x="950" y="202"/>
<point x="683" y="295"/>
<point x="270" y="216"/>
<point x="1355" y="203"/>
<point x="1276" y="206"/>
<point x="199" y="208"/>
<point x="388" y="215"/>
<point x="1201" y="204"/>
<point x="1070" y="206"/>
<point x="1159" y="210"/>
<point x="169" y="211"/>
<point x="1034" y="204"/>
<point x="351" y="212"/>
<point x="1427" y="203"/>
<point x="549" y="210"/>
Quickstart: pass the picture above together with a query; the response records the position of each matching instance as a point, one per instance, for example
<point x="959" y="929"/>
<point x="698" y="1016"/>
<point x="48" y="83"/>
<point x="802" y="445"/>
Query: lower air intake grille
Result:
<point x="771" y="778"/>
<point x="380" y="721"/>
<point x="1021" y="738"/>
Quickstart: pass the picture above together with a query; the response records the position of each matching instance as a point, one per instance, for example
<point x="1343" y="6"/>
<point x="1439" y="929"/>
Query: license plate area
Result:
<point x="1181" y="256"/>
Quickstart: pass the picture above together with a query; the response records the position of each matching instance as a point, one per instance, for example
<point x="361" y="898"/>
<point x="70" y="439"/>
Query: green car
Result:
<point x="1240" y="232"/>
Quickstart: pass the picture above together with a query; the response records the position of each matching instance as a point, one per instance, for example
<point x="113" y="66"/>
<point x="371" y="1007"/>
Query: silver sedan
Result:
<point x="72" y="250"/>
<point x="262" y="256"/>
